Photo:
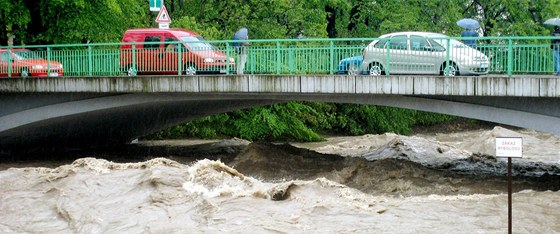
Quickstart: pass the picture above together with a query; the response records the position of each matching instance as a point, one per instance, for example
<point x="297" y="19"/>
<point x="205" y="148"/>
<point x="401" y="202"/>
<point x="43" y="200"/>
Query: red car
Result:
<point x="26" y="63"/>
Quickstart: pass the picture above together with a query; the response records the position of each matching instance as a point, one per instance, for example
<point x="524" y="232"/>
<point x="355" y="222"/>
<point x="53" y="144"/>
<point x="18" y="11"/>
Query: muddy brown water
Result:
<point x="439" y="183"/>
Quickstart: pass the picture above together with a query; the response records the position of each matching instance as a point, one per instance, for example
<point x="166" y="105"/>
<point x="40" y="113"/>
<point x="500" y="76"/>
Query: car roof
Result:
<point x="13" y="49"/>
<point x="175" y="31"/>
<point x="423" y="34"/>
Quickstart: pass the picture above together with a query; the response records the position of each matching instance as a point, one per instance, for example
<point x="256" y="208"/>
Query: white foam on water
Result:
<point x="163" y="196"/>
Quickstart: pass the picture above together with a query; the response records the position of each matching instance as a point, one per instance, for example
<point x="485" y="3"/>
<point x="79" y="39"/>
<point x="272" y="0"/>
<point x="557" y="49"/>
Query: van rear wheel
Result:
<point x="190" y="70"/>
<point x="24" y="73"/>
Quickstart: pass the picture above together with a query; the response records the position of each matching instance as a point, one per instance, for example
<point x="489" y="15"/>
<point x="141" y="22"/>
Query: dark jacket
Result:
<point x="555" y="43"/>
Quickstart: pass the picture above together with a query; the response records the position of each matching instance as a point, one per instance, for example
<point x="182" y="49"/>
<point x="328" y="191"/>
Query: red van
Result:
<point x="157" y="51"/>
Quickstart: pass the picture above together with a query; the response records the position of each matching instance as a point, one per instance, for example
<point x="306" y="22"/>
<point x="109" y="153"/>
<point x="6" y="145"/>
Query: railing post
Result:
<point x="179" y="59"/>
<point x="10" y="61"/>
<point x="227" y="58"/>
<point x="331" y="60"/>
<point x="48" y="61"/>
<point x="278" y="57"/>
<point x="388" y="63"/>
<point x="510" y="57"/>
<point x="90" y="61"/>
<point x="134" y="56"/>
<point x="291" y="60"/>
<point x="447" y="54"/>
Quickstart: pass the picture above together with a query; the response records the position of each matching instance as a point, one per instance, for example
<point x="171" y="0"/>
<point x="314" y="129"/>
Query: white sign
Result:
<point x="511" y="147"/>
<point x="163" y="16"/>
<point x="164" y="25"/>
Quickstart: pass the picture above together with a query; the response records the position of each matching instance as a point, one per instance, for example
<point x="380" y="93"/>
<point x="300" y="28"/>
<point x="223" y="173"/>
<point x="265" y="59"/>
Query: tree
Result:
<point x="90" y="21"/>
<point x="14" y="18"/>
<point x="512" y="18"/>
<point x="264" y="19"/>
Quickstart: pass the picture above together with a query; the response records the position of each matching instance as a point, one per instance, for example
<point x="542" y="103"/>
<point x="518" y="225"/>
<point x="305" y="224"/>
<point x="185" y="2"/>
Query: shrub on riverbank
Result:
<point x="303" y="121"/>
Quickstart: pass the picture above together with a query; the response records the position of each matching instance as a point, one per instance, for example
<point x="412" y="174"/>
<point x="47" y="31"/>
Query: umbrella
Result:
<point x="468" y="23"/>
<point x="241" y="34"/>
<point x="553" y="21"/>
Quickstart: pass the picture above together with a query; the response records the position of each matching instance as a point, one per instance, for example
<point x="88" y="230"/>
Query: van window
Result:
<point x="170" y="44"/>
<point x="152" y="39"/>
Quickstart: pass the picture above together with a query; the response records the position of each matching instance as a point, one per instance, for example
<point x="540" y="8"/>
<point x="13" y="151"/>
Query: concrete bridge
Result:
<point x="90" y="111"/>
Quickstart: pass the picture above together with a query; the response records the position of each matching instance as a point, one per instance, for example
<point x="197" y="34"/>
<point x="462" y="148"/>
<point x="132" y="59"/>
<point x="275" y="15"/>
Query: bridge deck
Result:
<point x="491" y="85"/>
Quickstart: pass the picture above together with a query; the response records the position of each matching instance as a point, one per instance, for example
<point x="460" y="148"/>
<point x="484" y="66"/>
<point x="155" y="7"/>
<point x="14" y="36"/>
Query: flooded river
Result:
<point x="430" y="183"/>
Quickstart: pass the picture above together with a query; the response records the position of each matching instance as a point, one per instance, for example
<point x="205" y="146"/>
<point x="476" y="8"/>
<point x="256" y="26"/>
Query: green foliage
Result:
<point x="277" y="122"/>
<point x="355" y="119"/>
<point x="14" y="18"/>
<point x="80" y="21"/>
<point x="427" y="119"/>
<point x="301" y="121"/>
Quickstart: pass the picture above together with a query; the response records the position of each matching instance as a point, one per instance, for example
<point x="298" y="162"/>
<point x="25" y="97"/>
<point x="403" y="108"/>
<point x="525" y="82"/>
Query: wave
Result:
<point x="401" y="167"/>
<point x="164" y="196"/>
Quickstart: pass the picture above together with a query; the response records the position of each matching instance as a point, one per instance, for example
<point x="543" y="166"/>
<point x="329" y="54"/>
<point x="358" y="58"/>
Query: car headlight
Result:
<point x="208" y="60"/>
<point x="37" y="67"/>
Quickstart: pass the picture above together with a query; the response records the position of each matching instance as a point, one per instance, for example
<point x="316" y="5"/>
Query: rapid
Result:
<point x="426" y="183"/>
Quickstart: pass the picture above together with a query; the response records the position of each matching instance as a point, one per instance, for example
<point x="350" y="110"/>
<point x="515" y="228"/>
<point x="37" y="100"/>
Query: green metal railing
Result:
<point x="495" y="55"/>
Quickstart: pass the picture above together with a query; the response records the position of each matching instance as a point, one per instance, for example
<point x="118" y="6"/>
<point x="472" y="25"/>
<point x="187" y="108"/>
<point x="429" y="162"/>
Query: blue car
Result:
<point x="350" y="66"/>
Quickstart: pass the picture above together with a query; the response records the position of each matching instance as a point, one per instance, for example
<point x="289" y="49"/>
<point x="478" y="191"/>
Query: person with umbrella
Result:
<point x="470" y="25"/>
<point x="241" y="48"/>
<point x="555" y="43"/>
<point x="555" y="46"/>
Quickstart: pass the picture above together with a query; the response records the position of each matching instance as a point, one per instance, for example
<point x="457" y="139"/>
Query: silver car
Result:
<point x="422" y="53"/>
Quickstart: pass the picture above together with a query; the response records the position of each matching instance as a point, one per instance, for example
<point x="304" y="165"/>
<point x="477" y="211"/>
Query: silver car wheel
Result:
<point x="132" y="71"/>
<point x="190" y="70"/>
<point x="375" y="69"/>
<point x="451" y="70"/>
<point x="352" y="69"/>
